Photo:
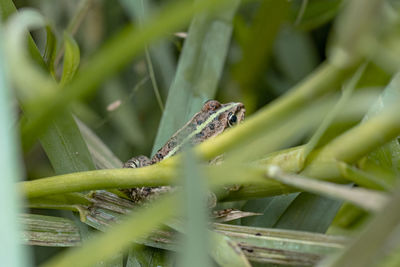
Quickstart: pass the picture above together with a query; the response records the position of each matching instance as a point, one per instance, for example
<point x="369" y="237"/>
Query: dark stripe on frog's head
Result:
<point x="209" y="122"/>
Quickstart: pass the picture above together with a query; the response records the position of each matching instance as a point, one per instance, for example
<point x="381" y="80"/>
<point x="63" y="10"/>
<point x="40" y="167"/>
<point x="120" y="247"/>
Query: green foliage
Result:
<point x="93" y="84"/>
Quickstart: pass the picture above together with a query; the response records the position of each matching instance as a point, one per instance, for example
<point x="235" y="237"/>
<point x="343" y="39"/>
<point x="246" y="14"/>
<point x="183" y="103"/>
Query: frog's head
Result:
<point x="212" y="120"/>
<point x="221" y="116"/>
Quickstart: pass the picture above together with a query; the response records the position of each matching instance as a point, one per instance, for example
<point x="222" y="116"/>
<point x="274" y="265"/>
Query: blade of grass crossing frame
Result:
<point x="11" y="251"/>
<point x="195" y="243"/>
<point x="199" y="70"/>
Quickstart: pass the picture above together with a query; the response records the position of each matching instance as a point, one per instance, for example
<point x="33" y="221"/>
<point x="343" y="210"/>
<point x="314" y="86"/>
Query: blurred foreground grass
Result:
<point x="97" y="82"/>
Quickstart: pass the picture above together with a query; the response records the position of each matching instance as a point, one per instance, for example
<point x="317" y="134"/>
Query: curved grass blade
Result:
<point x="62" y="141"/>
<point x="8" y="8"/>
<point x="71" y="59"/>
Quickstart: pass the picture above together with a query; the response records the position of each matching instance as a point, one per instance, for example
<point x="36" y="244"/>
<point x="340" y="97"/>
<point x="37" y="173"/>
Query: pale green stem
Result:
<point x="99" y="179"/>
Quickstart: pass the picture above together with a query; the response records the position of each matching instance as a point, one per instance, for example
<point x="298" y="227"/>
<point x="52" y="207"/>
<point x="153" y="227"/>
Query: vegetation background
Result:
<point x="97" y="82"/>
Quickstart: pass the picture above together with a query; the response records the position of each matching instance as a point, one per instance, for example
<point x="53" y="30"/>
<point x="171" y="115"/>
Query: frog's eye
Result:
<point x="232" y="119"/>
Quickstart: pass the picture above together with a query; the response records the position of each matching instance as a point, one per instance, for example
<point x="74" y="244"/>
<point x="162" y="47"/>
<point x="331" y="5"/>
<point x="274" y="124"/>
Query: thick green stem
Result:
<point x="99" y="179"/>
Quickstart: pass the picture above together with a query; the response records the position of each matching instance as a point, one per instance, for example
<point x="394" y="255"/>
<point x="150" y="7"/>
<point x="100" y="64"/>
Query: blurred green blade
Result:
<point x="11" y="251"/>
<point x="7" y="8"/>
<point x="195" y="242"/>
<point x="199" y="70"/>
<point x="50" y="49"/>
<point x="71" y="59"/>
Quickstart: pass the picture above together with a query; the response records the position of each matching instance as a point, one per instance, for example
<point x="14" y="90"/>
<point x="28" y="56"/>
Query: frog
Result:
<point x="213" y="119"/>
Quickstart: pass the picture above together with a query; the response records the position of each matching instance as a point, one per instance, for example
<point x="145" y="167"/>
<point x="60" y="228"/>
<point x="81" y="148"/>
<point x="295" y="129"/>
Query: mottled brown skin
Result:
<point x="215" y="127"/>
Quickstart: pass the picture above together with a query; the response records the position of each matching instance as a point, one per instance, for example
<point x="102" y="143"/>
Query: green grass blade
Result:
<point x="11" y="252"/>
<point x="195" y="243"/>
<point x="8" y="8"/>
<point x="103" y="157"/>
<point x="199" y="70"/>
<point x="71" y="59"/>
<point x="271" y="208"/>
<point x="309" y="212"/>
<point x="50" y="49"/>
<point x="65" y="146"/>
